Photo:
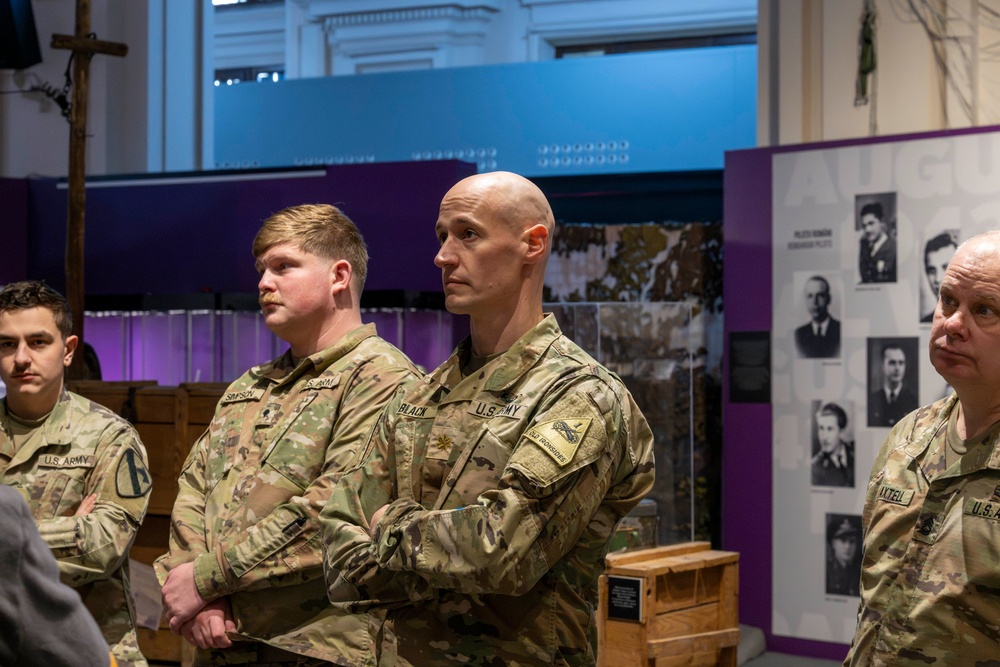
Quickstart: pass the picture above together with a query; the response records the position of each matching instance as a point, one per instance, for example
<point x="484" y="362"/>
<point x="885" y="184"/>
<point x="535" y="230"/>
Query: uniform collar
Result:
<point x="57" y="428"/>
<point x="284" y="370"/>
<point x="503" y="371"/>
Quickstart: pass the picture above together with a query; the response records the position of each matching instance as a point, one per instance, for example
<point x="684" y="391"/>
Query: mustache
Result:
<point x="265" y="299"/>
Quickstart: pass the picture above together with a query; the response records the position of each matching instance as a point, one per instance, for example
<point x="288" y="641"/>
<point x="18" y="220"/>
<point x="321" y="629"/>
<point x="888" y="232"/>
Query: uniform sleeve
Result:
<point x="44" y="621"/>
<point x="283" y="548"/>
<point x="353" y="577"/>
<point x="551" y="492"/>
<point x="91" y="547"/>
<point x="187" y="518"/>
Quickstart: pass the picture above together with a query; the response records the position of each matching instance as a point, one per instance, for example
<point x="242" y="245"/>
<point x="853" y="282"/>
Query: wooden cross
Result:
<point x="83" y="47"/>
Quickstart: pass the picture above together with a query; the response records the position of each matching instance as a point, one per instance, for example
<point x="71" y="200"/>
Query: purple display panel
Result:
<point x="106" y="333"/>
<point x="218" y="346"/>
<point x="192" y="234"/>
<point x="244" y="342"/>
<point x="14" y="200"/>
<point x="428" y="337"/>
<point x="203" y="361"/>
<point x="388" y="324"/>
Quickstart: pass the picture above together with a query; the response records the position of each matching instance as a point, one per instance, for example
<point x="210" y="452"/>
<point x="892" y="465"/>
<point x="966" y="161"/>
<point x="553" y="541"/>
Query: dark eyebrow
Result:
<point x="31" y="336"/>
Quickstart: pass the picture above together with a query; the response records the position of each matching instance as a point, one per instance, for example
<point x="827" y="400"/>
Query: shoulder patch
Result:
<point x="132" y="479"/>
<point x="560" y="438"/>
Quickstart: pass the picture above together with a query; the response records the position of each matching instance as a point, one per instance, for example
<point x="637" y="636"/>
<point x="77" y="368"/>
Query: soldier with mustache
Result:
<point x="243" y="579"/>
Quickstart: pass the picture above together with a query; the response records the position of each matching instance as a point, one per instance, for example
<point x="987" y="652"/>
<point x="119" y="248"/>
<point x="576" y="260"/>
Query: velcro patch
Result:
<point x="490" y="410"/>
<point x="560" y="438"/>
<point x="132" y="479"/>
<point x="983" y="508"/>
<point x="323" y="383"/>
<point x="890" y="494"/>
<point x="418" y="411"/>
<point x="245" y="395"/>
<point x="70" y="461"/>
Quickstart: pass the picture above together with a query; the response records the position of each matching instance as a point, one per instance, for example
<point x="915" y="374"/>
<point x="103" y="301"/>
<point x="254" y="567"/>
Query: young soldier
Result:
<point x="245" y="559"/>
<point x="81" y="468"/>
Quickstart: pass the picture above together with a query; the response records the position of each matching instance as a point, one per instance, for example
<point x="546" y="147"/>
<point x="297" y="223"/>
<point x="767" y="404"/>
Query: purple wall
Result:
<point x="14" y="202"/>
<point x="185" y="238"/>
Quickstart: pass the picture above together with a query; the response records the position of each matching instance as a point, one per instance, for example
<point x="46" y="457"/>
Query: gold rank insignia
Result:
<point x="560" y="438"/>
<point x="443" y="442"/>
<point x="132" y="478"/>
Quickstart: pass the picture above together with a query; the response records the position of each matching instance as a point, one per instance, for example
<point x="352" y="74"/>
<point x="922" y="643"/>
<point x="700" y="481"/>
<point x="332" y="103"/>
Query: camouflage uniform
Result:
<point x="930" y="579"/>
<point x="85" y="449"/>
<point x="506" y="487"/>
<point x="254" y="483"/>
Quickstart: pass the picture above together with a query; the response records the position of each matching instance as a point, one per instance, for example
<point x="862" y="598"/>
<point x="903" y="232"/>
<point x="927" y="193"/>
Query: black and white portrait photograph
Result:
<point x="937" y="252"/>
<point x="892" y="379"/>
<point x="875" y="219"/>
<point x="819" y="336"/>
<point x="843" y="554"/>
<point x="832" y="444"/>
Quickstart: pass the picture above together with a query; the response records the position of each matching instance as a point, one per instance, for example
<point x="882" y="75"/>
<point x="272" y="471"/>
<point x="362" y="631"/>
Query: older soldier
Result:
<point x="81" y="468"/>
<point x="930" y="584"/>
<point x="245" y="559"/>
<point x="478" y="517"/>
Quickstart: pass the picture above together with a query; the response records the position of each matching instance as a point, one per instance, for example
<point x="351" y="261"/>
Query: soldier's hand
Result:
<point x="86" y="505"/>
<point x="181" y="599"/>
<point x="208" y="628"/>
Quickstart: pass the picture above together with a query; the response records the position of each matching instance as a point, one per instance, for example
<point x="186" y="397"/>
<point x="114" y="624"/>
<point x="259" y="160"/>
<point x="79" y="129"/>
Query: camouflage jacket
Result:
<point x="86" y="449"/>
<point x="255" y="482"/>
<point x="930" y="579"/>
<point x="504" y="489"/>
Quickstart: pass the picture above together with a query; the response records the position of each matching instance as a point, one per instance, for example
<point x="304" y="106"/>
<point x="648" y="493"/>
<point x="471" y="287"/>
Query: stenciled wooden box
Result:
<point x="669" y="606"/>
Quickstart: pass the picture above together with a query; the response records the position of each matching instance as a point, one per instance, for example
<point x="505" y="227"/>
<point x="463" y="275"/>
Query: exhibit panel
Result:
<point x="860" y="238"/>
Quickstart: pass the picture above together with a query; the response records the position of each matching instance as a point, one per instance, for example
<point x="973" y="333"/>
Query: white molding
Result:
<point x="567" y="22"/>
<point x="253" y="36"/>
<point x="384" y="35"/>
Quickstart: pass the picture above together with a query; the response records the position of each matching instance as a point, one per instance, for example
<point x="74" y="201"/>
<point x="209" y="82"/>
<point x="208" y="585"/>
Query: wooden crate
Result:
<point x="669" y="606"/>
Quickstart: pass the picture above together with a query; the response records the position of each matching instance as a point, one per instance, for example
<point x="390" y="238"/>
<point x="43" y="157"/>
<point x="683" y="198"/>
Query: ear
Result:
<point x="71" y="343"/>
<point x="537" y="237"/>
<point x="341" y="274"/>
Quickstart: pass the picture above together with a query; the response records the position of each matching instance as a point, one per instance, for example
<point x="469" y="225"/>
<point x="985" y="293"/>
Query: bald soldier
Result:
<point x="930" y="581"/>
<point x="478" y="515"/>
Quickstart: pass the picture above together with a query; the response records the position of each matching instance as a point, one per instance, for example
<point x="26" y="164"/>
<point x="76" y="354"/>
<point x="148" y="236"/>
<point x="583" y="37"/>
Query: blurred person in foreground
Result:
<point x="42" y="620"/>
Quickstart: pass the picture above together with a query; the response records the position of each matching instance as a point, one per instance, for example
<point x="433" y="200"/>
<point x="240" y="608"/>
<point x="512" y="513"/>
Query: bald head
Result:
<point x="495" y="232"/>
<point x="510" y="198"/>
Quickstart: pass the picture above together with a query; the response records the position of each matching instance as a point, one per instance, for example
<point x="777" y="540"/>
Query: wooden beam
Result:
<point x="83" y="47"/>
<point x="88" y="45"/>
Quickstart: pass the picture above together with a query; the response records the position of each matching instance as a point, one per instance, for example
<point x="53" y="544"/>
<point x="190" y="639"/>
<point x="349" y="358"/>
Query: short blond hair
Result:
<point x="321" y="229"/>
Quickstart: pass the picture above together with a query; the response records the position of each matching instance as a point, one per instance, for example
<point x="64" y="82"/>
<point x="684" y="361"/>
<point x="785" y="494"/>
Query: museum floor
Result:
<point x="751" y="653"/>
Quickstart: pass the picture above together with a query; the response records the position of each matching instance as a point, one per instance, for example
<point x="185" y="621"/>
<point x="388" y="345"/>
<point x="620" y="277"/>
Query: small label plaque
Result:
<point x="625" y="598"/>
